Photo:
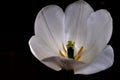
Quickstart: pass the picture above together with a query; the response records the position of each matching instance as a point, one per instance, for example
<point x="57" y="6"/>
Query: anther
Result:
<point x="61" y="54"/>
<point x="78" y="54"/>
<point x="64" y="49"/>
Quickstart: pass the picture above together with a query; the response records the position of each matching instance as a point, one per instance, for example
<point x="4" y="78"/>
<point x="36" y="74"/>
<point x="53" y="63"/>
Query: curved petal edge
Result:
<point x="100" y="63"/>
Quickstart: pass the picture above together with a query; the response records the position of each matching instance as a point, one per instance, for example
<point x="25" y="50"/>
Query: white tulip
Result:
<point x="80" y="32"/>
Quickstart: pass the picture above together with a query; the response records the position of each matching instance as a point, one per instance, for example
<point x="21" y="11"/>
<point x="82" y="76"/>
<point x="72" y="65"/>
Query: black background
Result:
<point x="17" y="26"/>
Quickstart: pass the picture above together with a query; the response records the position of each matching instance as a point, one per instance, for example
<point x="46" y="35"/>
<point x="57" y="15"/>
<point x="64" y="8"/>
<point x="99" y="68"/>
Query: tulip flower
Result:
<point x="76" y="39"/>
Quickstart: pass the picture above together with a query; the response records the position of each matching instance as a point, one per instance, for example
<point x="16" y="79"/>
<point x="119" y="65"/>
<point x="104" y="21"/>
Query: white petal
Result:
<point x="99" y="26"/>
<point x="76" y="16"/>
<point x="49" y="26"/>
<point x="41" y="51"/>
<point x="101" y="62"/>
<point x="67" y="64"/>
<point x="52" y="65"/>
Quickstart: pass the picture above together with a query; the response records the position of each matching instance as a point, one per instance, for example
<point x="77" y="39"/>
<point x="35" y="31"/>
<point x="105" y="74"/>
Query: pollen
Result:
<point x="77" y="57"/>
<point x="61" y="54"/>
<point x="64" y="49"/>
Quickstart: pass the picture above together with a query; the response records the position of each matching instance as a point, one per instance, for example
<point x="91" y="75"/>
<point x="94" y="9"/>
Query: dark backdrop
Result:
<point x="17" y="26"/>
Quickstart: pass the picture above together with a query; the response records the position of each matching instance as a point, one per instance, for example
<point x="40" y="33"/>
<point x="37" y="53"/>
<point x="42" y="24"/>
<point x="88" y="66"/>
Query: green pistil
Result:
<point x="70" y="49"/>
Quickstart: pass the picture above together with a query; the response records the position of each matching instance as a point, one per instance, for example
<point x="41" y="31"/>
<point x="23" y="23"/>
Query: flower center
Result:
<point x="69" y="52"/>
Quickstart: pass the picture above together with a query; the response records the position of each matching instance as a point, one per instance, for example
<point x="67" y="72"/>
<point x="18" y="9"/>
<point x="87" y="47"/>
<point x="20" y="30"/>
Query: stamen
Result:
<point x="64" y="49"/>
<point x="80" y="50"/>
<point x="78" y="54"/>
<point x="61" y="54"/>
<point x="77" y="57"/>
